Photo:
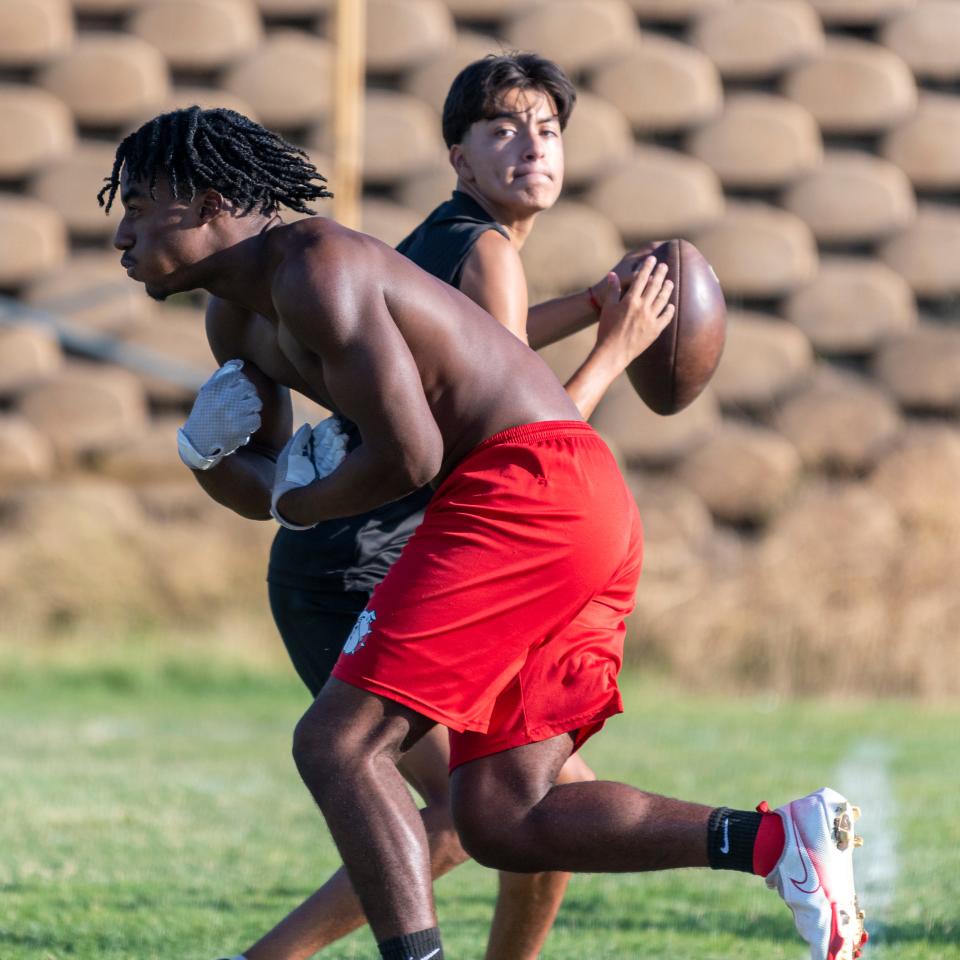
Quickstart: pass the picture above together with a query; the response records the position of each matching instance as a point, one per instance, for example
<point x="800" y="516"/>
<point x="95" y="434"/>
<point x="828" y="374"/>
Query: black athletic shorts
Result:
<point x="314" y="625"/>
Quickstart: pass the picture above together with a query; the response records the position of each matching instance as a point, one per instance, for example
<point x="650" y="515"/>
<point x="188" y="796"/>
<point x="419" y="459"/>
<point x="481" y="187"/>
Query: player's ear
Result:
<point x="211" y="204"/>
<point x="459" y="162"/>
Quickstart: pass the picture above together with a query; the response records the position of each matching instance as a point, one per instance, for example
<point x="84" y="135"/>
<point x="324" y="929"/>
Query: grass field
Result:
<point x="152" y="811"/>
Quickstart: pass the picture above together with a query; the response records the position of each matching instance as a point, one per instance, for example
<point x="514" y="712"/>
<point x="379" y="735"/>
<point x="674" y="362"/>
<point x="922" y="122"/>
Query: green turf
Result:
<point x="154" y="812"/>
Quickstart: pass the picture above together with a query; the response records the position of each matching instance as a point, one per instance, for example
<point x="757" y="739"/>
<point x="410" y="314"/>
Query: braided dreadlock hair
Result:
<point x="222" y="149"/>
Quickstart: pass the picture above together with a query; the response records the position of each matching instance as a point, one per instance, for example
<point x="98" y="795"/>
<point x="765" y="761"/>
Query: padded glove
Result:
<point x="294" y="469"/>
<point x="225" y="415"/>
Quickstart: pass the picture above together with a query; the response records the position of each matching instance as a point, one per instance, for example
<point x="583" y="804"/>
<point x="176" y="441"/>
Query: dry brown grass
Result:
<point x="86" y="553"/>
<point x="842" y="596"/>
<point x="852" y="588"/>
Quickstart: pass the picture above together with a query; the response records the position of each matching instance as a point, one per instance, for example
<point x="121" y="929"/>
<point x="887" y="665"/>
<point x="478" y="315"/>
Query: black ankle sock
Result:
<point x="731" y="835"/>
<point x="422" y="945"/>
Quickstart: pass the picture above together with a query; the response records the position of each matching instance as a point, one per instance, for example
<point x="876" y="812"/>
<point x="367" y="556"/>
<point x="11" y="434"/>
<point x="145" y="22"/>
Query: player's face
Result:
<point x="515" y="159"/>
<point x="157" y="236"/>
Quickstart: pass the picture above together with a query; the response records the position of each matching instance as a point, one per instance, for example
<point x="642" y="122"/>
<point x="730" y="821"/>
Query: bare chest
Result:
<point x="272" y="348"/>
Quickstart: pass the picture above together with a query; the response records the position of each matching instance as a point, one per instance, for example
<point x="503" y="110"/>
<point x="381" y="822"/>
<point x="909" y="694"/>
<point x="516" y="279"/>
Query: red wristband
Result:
<point x="593" y="300"/>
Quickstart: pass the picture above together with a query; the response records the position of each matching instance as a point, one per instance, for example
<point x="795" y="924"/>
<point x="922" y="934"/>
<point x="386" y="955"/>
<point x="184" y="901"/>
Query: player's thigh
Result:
<point x="503" y="787"/>
<point x="314" y="626"/>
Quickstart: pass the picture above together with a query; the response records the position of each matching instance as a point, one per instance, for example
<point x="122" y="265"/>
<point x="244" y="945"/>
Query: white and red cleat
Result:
<point x="815" y="873"/>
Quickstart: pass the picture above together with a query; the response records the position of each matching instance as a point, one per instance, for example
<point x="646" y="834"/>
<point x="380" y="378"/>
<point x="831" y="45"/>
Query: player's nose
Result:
<point x="122" y="238"/>
<point x="534" y="147"/>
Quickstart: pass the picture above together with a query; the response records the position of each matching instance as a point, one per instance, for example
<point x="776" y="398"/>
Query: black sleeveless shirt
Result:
<point x="355" y="553"/>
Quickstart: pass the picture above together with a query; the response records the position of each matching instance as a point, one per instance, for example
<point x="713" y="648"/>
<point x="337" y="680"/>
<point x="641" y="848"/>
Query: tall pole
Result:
<point x="350" y="37"/>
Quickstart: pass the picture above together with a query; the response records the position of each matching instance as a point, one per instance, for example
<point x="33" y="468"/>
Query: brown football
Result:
<point x="672" y="372"/>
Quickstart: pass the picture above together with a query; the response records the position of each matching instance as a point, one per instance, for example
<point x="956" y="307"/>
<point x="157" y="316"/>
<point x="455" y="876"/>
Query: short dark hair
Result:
<point x="476" y="91"/>
<point x="197" y="149"/>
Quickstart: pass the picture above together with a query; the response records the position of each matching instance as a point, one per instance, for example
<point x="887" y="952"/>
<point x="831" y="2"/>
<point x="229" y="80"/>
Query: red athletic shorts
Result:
<point x="503" y="617"/>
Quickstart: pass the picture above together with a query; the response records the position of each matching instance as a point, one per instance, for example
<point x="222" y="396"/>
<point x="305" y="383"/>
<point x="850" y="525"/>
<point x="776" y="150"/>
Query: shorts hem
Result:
<point x="583" y="726"/>
<point x="407" y="700"/>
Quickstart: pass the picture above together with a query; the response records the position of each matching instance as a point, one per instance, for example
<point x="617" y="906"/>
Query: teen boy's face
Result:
<point x="155" y="235"/>
<point x="515" y="159"/>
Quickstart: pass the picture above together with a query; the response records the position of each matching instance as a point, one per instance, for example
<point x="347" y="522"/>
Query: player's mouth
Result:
<point x="128" y="263"/>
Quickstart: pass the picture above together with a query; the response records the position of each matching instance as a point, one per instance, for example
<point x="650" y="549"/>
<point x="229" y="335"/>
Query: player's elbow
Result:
<point x="422" y="461"/>
<point x="409" y="460"/>
<point x="420" y="456"/>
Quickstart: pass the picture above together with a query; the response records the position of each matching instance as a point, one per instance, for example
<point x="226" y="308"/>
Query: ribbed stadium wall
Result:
<point x="802" y="517"/>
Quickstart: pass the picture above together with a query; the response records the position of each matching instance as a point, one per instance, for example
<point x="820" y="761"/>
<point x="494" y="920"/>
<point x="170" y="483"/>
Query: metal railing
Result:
<point x="101" y="346"/>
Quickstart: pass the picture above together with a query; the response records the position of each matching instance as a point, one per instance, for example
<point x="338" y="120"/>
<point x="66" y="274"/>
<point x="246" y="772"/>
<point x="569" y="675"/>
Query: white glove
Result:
<point x="294" y="469"/>
<point x="225" y="415"/>
<point x="309" y="455"/>
<point x="329" y="446"/>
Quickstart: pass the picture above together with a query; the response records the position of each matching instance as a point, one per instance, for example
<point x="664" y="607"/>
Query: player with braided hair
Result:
<point x="321" y="579"/>
<point x="503" y="617"/>
<point x="195" y="149"/>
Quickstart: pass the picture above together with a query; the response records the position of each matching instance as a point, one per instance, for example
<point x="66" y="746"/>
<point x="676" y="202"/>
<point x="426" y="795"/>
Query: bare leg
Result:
<point x="347" y="746"/>
<point x="527" y="903"/>
<point x="334" y="910"/>
<point x="511" y="816"/>
<point x="507" y="808"/>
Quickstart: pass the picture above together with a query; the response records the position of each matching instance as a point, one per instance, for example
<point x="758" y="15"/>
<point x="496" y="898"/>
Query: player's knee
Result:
<point x="320" y="751"/>
<point x="305" y="748"/>
<point x="489" y="847"/>
<point x="484" y="834"/>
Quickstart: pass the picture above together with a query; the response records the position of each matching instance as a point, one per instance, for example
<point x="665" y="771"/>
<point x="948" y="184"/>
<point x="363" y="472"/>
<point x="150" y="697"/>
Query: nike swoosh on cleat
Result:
<point x="725" y="847"/>
<point x="808" y="867"/>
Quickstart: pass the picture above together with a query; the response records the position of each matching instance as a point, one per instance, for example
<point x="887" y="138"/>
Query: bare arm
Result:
<point x="243" y="481"/>
<point x="493" y="277"/>
<point x="555" y="319"/>
<point x="338" y="314"/>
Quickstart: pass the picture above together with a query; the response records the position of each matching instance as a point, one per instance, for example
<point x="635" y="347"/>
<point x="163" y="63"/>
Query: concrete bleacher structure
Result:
<point x="758" y="39"/>
<point x="810" y="148"/>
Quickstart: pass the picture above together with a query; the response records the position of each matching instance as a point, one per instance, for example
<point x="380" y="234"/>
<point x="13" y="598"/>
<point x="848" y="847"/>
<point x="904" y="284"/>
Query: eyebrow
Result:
<point x="517" y="115"/>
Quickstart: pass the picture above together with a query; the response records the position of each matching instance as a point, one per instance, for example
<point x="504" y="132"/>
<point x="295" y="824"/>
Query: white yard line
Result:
<point x="863" y="776"/>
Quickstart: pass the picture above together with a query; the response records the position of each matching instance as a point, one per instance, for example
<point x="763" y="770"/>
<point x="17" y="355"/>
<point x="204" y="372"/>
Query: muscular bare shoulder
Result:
<point x="325" y="278"/>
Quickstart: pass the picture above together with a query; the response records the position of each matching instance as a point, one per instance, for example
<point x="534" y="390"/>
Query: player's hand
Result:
<point x="626" y="270"/>
<point x="310" y="454"/>
<point x="329" y="446"/>
<point x="630" y="321"/>
<point x="295" y="469"/>
<point x="225" y="415"/>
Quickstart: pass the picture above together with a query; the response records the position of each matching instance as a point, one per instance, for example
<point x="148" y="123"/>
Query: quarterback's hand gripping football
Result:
<point x="310" y="454"/>
<point x="225" y="415"/>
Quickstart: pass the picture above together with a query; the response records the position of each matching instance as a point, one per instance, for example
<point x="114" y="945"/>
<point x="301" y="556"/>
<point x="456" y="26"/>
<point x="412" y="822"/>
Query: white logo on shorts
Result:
<point x="361" y="629"/>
